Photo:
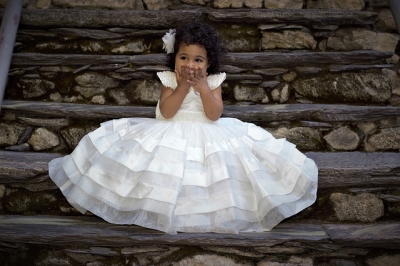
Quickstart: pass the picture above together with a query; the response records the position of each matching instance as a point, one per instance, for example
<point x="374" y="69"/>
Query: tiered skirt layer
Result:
<point x="224" y="177"/>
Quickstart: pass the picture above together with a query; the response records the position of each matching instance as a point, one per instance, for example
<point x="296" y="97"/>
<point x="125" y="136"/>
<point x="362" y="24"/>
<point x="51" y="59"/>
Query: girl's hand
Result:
<point x="182" y="76"/>
<point x="197" y="80"/>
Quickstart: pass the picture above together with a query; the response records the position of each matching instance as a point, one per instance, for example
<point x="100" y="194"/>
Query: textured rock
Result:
<point x="195" y="2"/>
<point x="367" y="127"/>
<point x="386" y="139"/>
<point x="98" y="99"/>
<point x="94" y="83"/>
<point x="43" y="4"/>
<point x="43" y="122"/>
<point x="384" y="260"/>
<point x="43" y="139"/>
<point x="281" y="93"/>
<point x="343" y="139"/>
<point x="32" y="88"/>
<point x="10" y="133"/>
<point x="336" y="4"/>
<point x="132" y="47"/>
<point x="304" y="138"/>
<point x="21" y="201"/>
<point x="364" y="207"/>
<point x="288" y="40"/>
<point x="119" y="97"/>
<point x="386" y="21"/>
<point x="144" y="91"/>
<point x="362" y="39"/>
<point x="253" y="94"/>
<point x="292" y="261"/>
<point x="2" y="190"/>
<point x="288" y="4"/>
<point x="345" y="88"/>
<point x="208" y="260"/>
<point x="228" y="3"/>
<point x="73" y="135"/>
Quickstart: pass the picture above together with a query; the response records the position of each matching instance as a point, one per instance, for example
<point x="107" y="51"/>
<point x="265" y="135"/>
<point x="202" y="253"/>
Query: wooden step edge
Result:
<point x="170" y="18"/>
<point x="251" y="59"/>
<point x="335" y="169"/>
<point x="248" y="113"/>
<point x="93" y="231"/>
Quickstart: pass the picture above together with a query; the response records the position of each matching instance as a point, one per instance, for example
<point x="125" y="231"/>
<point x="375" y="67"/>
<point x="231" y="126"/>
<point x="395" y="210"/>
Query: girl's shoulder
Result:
<point x="168" y="79"/>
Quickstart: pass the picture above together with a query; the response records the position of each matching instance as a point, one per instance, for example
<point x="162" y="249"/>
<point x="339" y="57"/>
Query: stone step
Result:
<point x="93" y="231"/>
<point x="364" y="59"/>
<point x="340" y="169"/>
<point x="146" y="19"/>
<point x="248" y="113"/>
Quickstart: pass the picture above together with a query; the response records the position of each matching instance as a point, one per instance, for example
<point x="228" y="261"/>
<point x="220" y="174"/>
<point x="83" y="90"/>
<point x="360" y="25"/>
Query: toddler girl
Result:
<point x="188" y="170"/>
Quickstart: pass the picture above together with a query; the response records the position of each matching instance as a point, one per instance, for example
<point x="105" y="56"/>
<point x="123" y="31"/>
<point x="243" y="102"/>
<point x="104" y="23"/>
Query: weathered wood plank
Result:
<point x="301" y="16"/>
<point x="170" y="18"/>
<point x="350" y="169"/>
<point x="340" y="169"/>
<point x="262" y="59"/>
<point x="20" y="166"/>
<point x="249" y="113"/>
<point x="383" y="235"/>
<point x="143" y="19"/>
<point x="92" y="231"/>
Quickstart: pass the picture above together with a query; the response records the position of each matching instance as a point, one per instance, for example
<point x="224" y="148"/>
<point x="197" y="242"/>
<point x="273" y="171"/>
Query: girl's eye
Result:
<point x="199" y="60"/>
<point x="183" y="57"/>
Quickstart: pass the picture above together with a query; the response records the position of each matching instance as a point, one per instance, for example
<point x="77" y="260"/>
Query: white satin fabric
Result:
<point x="187" y="175"/>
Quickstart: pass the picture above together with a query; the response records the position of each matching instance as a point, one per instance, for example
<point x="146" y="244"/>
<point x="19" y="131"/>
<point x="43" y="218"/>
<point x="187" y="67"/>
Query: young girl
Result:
<point x="188" y="170"/>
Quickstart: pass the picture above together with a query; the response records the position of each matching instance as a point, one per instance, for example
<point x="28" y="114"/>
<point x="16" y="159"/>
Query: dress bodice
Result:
<point x="192" y="106"/>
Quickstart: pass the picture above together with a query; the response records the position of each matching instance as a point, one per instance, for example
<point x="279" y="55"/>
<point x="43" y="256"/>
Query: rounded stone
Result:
<point x="43" y="139"/>
<point x="343" y="139"/>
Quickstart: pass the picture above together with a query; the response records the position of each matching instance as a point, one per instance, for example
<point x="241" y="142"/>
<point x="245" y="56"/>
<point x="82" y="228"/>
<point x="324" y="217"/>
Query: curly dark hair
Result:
<point x="202" y="34"/>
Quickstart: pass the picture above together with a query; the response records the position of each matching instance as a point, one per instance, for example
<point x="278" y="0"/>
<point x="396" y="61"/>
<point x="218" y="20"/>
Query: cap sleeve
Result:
<point x="214" y="81"/>
<point x="168" y="79"/>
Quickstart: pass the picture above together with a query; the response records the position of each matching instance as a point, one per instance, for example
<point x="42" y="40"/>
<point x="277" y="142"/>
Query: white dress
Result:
<point x="187" y="173"/>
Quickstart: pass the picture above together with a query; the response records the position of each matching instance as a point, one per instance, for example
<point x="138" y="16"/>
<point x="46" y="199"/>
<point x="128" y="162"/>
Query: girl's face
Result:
<point x="193" y="56"/>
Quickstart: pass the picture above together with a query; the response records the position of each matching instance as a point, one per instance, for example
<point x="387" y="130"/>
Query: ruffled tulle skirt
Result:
<point x="225" y="177"/>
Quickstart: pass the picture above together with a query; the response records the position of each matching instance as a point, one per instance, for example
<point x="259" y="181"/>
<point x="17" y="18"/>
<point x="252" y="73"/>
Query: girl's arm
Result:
<point x="171" y="100"/>
<point x="211" y="99"/>
<point x="212" y="103"/>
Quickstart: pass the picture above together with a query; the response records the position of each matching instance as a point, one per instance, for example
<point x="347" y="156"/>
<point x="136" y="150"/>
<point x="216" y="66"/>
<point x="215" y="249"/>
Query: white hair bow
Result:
<point x="169" y="41"/>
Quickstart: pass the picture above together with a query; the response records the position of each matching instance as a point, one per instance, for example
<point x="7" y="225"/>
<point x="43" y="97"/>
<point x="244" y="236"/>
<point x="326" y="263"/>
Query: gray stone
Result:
<point x="281" y="93"/>
<point x="142" y="249"/>
<point x="345" y="87"/>
<point x="248" y="93"/>
<point x="98" y="99"/>
<point x="10" y="133"/>
<point x="234" y="251"/>
<point x="288" y="39"/>
<point x="2" y="190"/>
<point x="364" y="207"/>
<point x="253" y="3"/>
<point x="144" y="91"/>
<point x="54" y="258"/>
<point x="240" y="38"/>
<point x="73" y="135"/>
<point x="93" y="47"/>
<point x="362" y="39"/>
<point x="292" y="261"/>
<point x="20" y="147"/>
<point x="343" y="139"/>
<point x="54" y="46"/>
<point x="386" y="139"/>
<point x="43" y="4"/>
<point x="35" y="87"/>
<point x="386" y="21"/>
<point x="288" y="4"/>
<point x="304" y="138"/>
<point x="336" y="4"/>
<point x="43" y="139"/>
<point x="132" y="47"/>
<point x="93" y="79"/>
<point x="88" y="92"/>
<point x="394" y="79"/>
<point x="154" y="4"/>
<point x="289" y="76"/>
<point x="195" y="2"/>
<point x="269" y="84"/>
<point x="119" y="96"/>
<point x="21" y="201"/>
<point x="228" y="3"/>
<point x="384" y="260"/>
<point x="208" y="260"/>
<point x="367" y="127"/>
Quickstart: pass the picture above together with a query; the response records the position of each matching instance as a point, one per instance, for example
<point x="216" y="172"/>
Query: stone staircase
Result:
<point x="62" y="58"/>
